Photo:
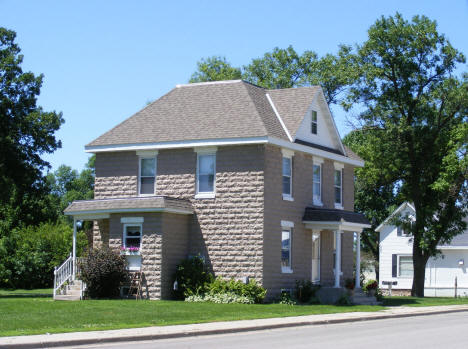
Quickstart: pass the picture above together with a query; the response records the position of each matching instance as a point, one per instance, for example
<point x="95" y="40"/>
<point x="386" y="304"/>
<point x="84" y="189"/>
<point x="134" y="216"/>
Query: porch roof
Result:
<point x="102" y="207"/>
<point x="333" y="219"/>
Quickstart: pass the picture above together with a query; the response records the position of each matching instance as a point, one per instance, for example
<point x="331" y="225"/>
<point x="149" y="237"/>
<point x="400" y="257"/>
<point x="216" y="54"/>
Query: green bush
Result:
<point x="104" y="270"/>
<point x="305" y="291"/>
<point x="28" y="255"/>
<point x="285" y="298"/>
<point x="251" y="290"/>
<point x="222" y="298"/>
<point x="191" y="277"/>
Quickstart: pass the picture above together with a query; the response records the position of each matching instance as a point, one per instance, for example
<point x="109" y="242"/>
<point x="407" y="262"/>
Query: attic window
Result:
<point x="314" y="122"/>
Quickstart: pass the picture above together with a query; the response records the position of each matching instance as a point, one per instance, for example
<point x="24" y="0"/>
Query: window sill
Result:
<point x="130" y="253"/>
<point x="287" y="197"/>
<point x="286" y="270"/>
<point x="339" y="207"/>
<point x="318" y="203"/>
<point x="205" y="196"/>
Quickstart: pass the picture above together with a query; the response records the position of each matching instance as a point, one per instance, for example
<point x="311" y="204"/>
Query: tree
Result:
<point x="215" y="69"/>
<point x="26" y="132"/>
<point x="417" y="110"/>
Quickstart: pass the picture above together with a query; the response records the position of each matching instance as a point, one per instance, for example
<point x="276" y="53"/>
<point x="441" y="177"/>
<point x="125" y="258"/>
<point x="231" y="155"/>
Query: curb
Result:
<point x="147" y="337"/>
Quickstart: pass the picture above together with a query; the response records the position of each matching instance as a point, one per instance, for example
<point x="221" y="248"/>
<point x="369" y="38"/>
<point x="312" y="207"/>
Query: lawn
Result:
<point x="423" y="302"/>
<point x="24" y="313"/>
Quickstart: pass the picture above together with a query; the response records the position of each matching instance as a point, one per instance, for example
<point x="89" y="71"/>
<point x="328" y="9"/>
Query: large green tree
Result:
<point x="416" y="111"/>
<point x="26" y="133"/>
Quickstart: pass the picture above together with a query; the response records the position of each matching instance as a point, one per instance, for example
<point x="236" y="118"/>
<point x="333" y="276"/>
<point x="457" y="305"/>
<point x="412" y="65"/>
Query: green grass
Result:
<point x="23" y="313"/>
<point x="423" y="302"/>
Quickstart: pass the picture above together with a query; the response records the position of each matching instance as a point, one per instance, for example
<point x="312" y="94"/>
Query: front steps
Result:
<point x="361" y="298"/>
<point x="70" y="292"/>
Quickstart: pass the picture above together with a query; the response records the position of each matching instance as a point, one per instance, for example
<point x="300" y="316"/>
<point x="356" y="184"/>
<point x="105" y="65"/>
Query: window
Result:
<point x="286" y="250"/>
<point x="132" y="236"/>
<point x="338" y="189"/>
<point x="314" y="122"/>
<point x="206" y="174"/>
<point x="317" y="185"/>
<point x="287" y="176"/>
<point x="405" y="266"/>
<point x="147" y="175"/>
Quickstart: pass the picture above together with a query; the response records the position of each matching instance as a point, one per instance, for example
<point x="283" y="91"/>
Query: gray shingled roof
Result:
<point x="231" y="109"/>
<point x="460" y="240"/>
<point x="145" y="204"/>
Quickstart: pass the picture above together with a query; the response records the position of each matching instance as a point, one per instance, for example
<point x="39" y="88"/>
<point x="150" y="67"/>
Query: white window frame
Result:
<point x="125" y="233"/>
<point x="289" y="227"/>
<point x="142" y="155"/>
<point x="287" y="154"/>
<point x="317" y="201"/>
<point x="313" y="122"/>
<point x="398" y="266"/>
<point x="203" y="152"/>
<point x="338" y="167"/>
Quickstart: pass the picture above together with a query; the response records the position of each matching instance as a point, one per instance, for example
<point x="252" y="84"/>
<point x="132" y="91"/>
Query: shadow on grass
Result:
<point x="25" y="295"/>
<point x="395" y="302"/>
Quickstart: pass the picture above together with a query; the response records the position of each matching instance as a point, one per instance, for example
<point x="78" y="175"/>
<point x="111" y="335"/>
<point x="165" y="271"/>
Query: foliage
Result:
<point x="104" y="270"/>
<point x="214" y="69"/>
<point x="305" y="291"/>
<point x="285" y="298"/>
<point x="252" y="291"/>
<point x="28" y="255"/>
<point x="415" y="120"/>
<point x="344" y="300"/>
<point x="26" y="132"/>
<point x="192" y="277"/>
<point x="370" y="285"/>
<point x="220" y="298"/>
<point x="349" y="284"/>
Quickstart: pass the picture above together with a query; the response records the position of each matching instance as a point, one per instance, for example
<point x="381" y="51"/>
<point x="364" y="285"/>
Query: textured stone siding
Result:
<point x="100" y="233"/>
<point x="228" y="229"/>
<point x="116" y="175"/>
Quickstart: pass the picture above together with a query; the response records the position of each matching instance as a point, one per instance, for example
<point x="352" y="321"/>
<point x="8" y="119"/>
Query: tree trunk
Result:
<point x="419" y="272"/>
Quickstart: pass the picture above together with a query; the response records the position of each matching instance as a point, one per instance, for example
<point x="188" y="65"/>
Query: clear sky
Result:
<point x="104" y="60"/>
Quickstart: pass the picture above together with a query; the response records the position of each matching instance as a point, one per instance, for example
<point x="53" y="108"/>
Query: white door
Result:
<point x="315" y="257"/>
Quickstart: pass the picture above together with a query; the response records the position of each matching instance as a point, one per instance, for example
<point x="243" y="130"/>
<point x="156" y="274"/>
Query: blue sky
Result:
<point x="104" y="60"/>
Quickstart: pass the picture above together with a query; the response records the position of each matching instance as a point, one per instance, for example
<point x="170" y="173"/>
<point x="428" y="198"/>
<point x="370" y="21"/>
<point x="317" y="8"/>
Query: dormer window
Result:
<point x="314" y="122"/>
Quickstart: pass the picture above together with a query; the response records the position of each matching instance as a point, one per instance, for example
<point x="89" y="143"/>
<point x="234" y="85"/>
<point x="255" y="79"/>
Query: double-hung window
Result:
<point x="287" y="174"/>
<point x="132" y="236"/>
<point x="317" y="181"/>
<point x="338" y="185"/>
<point x="206" y="174"/>
<point x="286" y="239"/>
<point x="313" y="127"/>
<point x="147" y="173"/>
<point x="405" y="266"/>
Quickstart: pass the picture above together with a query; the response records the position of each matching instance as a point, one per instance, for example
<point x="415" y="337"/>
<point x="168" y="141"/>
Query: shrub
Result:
<point x="349" y="284"/>
<point x="370" y="285"/>
<point x="104" y="270"/>
<point x="251" y="290"/>
<point x="224" y="298"/>
<point x="285" y="298"/>
<point x="191" y="276"/>
<point x="305" y="291"/>
<point x="28" y="255"/>
<point x="344" y="300"/>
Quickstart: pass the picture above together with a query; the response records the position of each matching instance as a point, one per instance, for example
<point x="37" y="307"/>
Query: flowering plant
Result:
<point x="371" y="285"/>
<point x="129" y="249"/>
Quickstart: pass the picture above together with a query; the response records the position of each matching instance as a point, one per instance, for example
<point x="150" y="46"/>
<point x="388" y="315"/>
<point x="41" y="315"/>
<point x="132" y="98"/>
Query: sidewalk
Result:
<point x="160" y="332"/>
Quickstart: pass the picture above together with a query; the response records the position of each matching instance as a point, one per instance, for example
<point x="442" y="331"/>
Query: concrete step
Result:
<point x="67" y="297"/>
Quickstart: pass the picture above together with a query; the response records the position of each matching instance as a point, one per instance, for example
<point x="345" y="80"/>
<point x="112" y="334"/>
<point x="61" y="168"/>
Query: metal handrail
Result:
<point x="63" y="274"/>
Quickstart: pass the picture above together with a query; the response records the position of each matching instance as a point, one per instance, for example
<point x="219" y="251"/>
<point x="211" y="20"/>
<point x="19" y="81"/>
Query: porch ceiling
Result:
<point x="332" y="219"/>
<point x="101" y="208"/>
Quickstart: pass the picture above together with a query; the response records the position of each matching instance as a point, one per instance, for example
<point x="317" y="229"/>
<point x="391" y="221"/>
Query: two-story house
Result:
<point x="257" y="181"/>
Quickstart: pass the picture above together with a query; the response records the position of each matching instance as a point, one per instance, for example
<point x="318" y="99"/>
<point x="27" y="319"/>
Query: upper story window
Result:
<point x="338" y="184"/>
<point x="287" y="174"/>
<point x="206" y="173"/>
<point x="317" y="181"/>
<point x="147" y="173"/>
<point x="314" y="122"/>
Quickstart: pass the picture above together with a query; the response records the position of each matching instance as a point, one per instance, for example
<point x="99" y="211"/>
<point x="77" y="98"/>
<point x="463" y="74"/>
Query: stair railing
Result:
<point x="63" y="274"/>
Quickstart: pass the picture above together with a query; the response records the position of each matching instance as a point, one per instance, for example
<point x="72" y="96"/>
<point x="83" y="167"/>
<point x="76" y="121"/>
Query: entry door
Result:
<point x="315" y="258"/>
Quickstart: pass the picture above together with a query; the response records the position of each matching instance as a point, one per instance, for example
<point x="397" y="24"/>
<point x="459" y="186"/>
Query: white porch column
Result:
<point x="74" y="247"/>
<point x="338" y="258"/>
<point x="357" y="282"/>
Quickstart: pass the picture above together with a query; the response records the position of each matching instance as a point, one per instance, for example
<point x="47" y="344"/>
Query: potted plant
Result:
<point x="371" y="288"/>
<point x="131" y="250"/>
<point x="349" y="285"/>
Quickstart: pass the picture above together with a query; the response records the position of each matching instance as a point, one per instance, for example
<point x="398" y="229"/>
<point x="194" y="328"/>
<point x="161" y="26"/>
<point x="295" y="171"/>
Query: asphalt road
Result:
<point x="431" y="331"/>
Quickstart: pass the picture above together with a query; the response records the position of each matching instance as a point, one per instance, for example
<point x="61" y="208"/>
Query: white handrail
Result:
<point x="63" y="274"/>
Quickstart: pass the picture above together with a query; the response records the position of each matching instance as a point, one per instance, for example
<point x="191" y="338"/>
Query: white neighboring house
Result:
<point x="396" y="262"/>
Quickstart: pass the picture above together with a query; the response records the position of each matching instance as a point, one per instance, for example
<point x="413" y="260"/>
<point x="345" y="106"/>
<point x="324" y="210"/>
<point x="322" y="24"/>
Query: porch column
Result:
<point x="74" y="247"/>
<point x="338" y="258"/>
<point x="357" y="282"/>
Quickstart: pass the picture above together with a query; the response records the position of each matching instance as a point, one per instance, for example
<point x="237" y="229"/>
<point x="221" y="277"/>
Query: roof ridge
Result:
<point x="208" y="83"/>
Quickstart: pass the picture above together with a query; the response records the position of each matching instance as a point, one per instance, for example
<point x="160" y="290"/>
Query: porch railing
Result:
<point x="63" y="274"/>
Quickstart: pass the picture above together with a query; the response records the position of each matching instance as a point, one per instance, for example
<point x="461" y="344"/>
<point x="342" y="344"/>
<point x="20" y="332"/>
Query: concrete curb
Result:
<point x="17" y="343"/>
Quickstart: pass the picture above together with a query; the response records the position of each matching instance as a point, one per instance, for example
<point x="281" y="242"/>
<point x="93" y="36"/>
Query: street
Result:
<point x="432" y="331"/>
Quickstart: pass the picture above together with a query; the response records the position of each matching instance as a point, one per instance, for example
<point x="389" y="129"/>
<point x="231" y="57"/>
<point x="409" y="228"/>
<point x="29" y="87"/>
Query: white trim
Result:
<point x="287" y="153"/>
<point x="397" y="211"/>
<point x="125" y="210"/>
<point x="124" y="236"/>
<point x="452" y="247"/>
<point x="205" y="150"/>
<point x="208" y="83"/>
<point x="221" y="142"/>
<point x="317" y="201"/>
<point x="287" y="224"/>
<point x="147" y="153"/>
<point x="338" y="166"/>
<point x="279" y="117"/>
<point x="317" y="160"/>
<point x="132" y="220"/>
<point x="343" y="226"/>
<point x="337" y="134"/>
<point x="286" y="270"/>
<point x="339" y="206"/>
<point x="89" y="217"/>
<point x="205" y="195"/>
<point x="287" y="197"/>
